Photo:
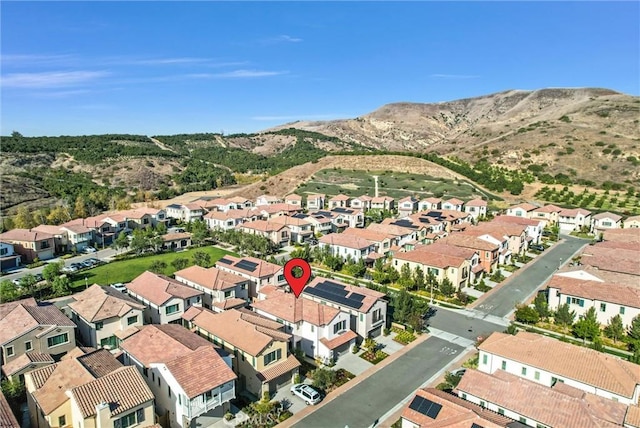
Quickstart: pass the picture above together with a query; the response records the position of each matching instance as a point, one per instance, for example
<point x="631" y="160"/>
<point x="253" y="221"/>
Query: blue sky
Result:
<point x="73" y="68"/>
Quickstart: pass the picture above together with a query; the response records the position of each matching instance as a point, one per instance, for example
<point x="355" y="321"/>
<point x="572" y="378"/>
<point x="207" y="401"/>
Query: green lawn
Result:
<point x="126" y="270"/>
<point x="394" y="184"/>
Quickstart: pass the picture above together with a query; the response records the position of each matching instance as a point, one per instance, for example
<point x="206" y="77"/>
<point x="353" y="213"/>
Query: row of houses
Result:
<point x="532" y="380"/>
<point x="574" y="219"/>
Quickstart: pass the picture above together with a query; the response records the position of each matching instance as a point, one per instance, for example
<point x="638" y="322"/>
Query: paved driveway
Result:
<point x="517" y="289"/>
<point x="372" y="398"/>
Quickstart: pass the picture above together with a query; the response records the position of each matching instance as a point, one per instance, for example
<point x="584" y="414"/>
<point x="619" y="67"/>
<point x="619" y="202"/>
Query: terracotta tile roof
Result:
<point x="100" y="303"/>
<point x="263" y="268"/>
<point x="99" y="362"/>
<point x="370" y="296"/>
<point x="504" y="229"/>
<point x="234" y="302"/>
<point x="368" y="234"/>
<point x="612" y="259"/>
<point x="293" y="197"/>
<point x="269" y="198"/>
<point x="345" y="337"/>
<point x="591" y="273"/>
<point x="347" y="241"/>
<point x="289" y="221"/>
<point x="432" y="200"/>
<point x="476" y="203"/>
<point x="193" y="207"/>
<point x="239" y="200"/>
<point x="289" y="308"/>
<point x="18" y="318"/>
<point x="511" y="219"/>
<point x="381" y="199"/>
<point x="340" y="197"/>
<point x="548" y="209"/>
<point x="210" y="278"/>
<point x="454" y="201"/>
<point x="268" y="289"/>
<point x="455" y="412"/>
<point x="162" y="343"/>
<point x="259" y="320"/>
<point x="442" y="261"/>
<point x="51" y="230"/>
<point x="541" y="403"/>
<point x="594" y="290"/>
<point x="408" y="199"/>
<point x="191" y="313"/>
<point x="447" y="249"/>
<point x="7" y="419"/>
<point x="604" y="215"/>
<point x="279" y="369"/>
<point x="625" y="235"/>
<point x="130" y="331"/>
<point x="232" y="214"/>
<point x="262" y="226"/>
<point x="624" y="245"/>
<point x="203" y="360"/>
<point x="176" y="236"/>
<point x="277" y="208"/>
<point x="363" y="198"/>
<point x="469" y="241"/>
<point x="525" y="206"/>
<point x="574" y="212"/>
<point x="62" y="376"/>
<point x="633" y="416"/>
<point x="158" y="289"/>
<point x="316" y="196"/>
<point x="569" y="361"/>
<point x="33" y="359"/>
<point x="24" y="235"/>
<point x="232" y="327"/>
<point x="77" y="228"/>
<point x="123" y="389"/>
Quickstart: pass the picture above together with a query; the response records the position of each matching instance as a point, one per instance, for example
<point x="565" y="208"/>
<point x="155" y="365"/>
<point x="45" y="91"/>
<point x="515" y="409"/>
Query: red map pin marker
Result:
<point x="297" y="284"/>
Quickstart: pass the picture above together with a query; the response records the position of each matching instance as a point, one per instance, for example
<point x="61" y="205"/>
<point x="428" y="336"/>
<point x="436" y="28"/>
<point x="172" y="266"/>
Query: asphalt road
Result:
<point x="518" y="289"/>
<point x="368" y="401"/>
<point x="463" y="324"/>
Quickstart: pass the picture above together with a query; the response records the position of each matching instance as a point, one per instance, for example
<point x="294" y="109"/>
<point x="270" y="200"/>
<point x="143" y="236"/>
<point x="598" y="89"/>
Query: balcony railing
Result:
<point x="198" y="406"/>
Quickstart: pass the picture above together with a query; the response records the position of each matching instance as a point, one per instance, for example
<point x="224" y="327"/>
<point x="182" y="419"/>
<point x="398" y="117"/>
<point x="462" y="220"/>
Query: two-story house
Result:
<point x="514" y="234"/>
<point x="259" y="345"/>
<point x="188" y="375"/>
<point x="60" y="237"/>
<point x="407" y="206"/>
<point x="293" y="199"/>
<point x="9" y="259"/>
<point x="367" y="308"/>
<point x="521" y="210"/>
<point x="549" y="213"/>
<point x="165" y="298"/>
<point x="320" y="224"/>
<point x="606" y="220"/>
<point x="80" y="237"/>
<point x="574" y="219"/>
<point x="607" y="298"/>
<point x="382" y="242"/>
<point x="300" y="230"/>
<point x="267" y="200"/>
<point x="222" y="290"/>
<point x="489" y="252"/>
<point x="269" y="212"/>
<point x="383" y="203"/>
<point x="48" y="388"/>
<point x="454" y="268"/>
<point x="345" y="217"/>
<point x="533" y="227"/>
<point x="315" y="202"/>
<point x="547" y="361"/>
<point x="257" y="271"/>
<point x="347" y="246"/>
<point x="428" y="204"/>
<point x="472" y="256"/>
<point x="277" y="233"/>
<point x="476" y="207"/>
<point x="103" y="314"/>
<point x="218" y="220"/>
<point x="403" y="231"/>
<point x="321" y="331"/>
<point x="26" y="326"/>
<point x="453" y="204"/>
<point x="339" y="201"/>
<point x="185" y="212"/>
<point x="361" y="202"/>
<point x="30" y="244"/>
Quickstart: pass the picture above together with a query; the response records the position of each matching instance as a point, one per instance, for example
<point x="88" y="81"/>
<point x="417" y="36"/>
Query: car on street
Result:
<point x="69" y="269"/>
<point x="459" y="372"/>
<point x="119" y="286"/>
<point x="538" y="247"/>
<point x="86" y="264"/>
<point x="89" y="250"/>
<point x="94" y="261"/>
<point x="306" y="392"/>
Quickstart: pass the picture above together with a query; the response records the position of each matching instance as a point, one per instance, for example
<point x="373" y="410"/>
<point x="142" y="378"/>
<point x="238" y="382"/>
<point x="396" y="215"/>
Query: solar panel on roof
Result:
<point x="475" y="425"/>
<point x="299" y="216"/>
<point x="225" y="261"/>
<point x="426" y="407"/>
<point x="246" y="265"/>
<point x="357" y="297"/>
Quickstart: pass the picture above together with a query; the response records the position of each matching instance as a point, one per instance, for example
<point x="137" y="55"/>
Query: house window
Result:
<point x="172" y="309"/>
<point x="621" y="310"/>
<point x="464" y="396"/>
<point x="132" y="320"/>
<point x="313" y="329"/>
<point x="603" y="307"/>
<point x="62" y="420"/>
<point x="361" y="317"/>
<point x="536" y="375"/>
<point x="576" y="301"/>
<point x="272" y="356"/>
<point x="482" y="404"/>
<point x="228" y="294"/>
<point x="501" y="411"/>
<point x="280" y="278"/>
<point x="129" y="419"/>
<point x="339" y="326"/>
<point x="10" y="351"/>
<point x="58" y="340"/>
<point x="504" y="365"/>
<point x="377" y="315"/>
<point x="523" y="420"/>
<point x="524" y="371"/>
<point x="484" y="359"/>
<point x="28" y="346"/>
<point x="99" y="325"/>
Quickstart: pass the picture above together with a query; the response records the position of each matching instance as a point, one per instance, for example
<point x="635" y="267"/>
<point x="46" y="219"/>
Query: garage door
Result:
<point x="343" y="349"/>
<point x="280" y="382"/>
<point x="375" y="332"/>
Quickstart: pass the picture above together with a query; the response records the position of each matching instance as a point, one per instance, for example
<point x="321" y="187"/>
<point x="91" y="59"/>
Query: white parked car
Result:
<point x="120" y="287"/>
<point x="90" y="250"/>
<point x="306" y="392"/>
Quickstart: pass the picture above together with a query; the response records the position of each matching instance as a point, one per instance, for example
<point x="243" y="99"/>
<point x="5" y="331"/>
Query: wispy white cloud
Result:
<point x="453" y="76"/>
<point x="10" y="60"/>
<point x="60" y="94"/>
<point x="237" y="74"/>
<point x="282" y="38"/>
<point x="294" y="117"/>
<point x="51" y="79"/>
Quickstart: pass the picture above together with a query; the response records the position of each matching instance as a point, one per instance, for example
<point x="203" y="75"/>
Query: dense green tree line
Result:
<point x="91" y="149"/>
<point x="198" y="175"/>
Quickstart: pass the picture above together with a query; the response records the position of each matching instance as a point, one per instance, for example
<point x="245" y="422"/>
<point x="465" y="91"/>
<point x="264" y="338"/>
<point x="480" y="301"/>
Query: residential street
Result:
<point x="367" y="402"/>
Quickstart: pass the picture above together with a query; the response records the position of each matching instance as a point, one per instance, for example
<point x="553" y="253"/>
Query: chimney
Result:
<point x="103" y="416"/>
